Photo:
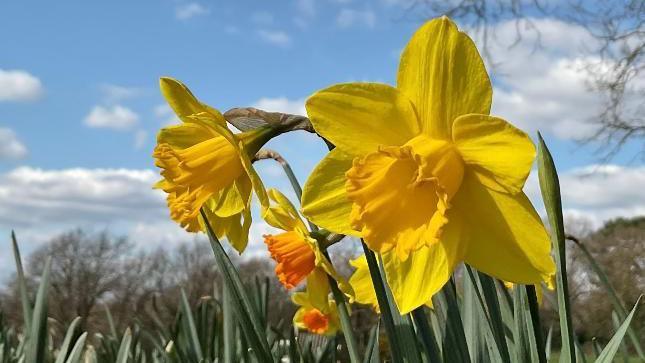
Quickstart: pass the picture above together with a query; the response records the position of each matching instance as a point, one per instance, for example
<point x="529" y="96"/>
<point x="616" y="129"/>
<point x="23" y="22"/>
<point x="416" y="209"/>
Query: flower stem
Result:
<point x="339" y="297"/>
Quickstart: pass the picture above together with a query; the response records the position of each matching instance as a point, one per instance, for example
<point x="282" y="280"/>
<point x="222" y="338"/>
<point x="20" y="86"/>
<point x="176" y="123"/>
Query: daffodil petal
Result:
<point x="318" y="289"/>
<point x="499" y="154"/>
<point x="426" y="270"/>
<point x="324" y="198"/>
<point x="360" y="117"/>
<point x="506" y="237"/>
<point x="234" y="198"/>
<point x="182" y="101"/>
<point x="283" y="215"/>
<point x="361" y="282"/>
<point x="443" y="74"/>
<point x="183" y="136"/>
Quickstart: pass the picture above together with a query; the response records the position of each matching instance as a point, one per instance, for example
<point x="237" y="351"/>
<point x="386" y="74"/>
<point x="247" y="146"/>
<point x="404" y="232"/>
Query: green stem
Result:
<point x="339" y="297"/>
<point x="535" y="318"/>
<point x="381" y="297"/>
<point x="427" y="335"/>
<point x="550" y="188"/>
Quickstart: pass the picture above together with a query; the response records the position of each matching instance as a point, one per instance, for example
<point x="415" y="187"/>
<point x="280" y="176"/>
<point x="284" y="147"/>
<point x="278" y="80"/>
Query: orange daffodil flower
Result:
<point x="317" y="313"/>
<point x="203" y="164"/>
<point x="295" y="251"/>
<point x="298" y="258"/>
<point x="424" y="175"/>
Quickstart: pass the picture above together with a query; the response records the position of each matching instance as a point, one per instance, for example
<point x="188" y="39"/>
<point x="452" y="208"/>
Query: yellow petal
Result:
<point x="506" y="238"/>
<point x="361" y="282"/>
<point x="282" y="214"/>
<point x="499" y="154"/>
<point x="358" y="117"/>
<point x="184" y="136"/>
<point x="182" y="101"/>
<point x="426" y="270"/>
<point x="444" y="76"/>
<point x="234" y="198"/>
<point x="318" y="289"/>
<point x="324" y="198"/>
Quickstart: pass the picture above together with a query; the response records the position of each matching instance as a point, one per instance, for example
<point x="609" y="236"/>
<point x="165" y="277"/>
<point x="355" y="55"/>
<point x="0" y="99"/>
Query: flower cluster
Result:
<point x="420" y="171"/>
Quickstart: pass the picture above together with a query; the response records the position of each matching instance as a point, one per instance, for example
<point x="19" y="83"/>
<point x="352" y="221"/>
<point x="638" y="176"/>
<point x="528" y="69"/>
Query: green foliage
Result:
<point x="474" y="319"/>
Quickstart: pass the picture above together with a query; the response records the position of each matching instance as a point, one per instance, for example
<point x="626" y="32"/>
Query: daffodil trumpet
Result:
<point x="424" y="174"/>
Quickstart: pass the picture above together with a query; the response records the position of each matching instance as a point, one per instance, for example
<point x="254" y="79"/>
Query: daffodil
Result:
<point x="424" y="174"/>
<point x="203" y="164"/>
<point x="295" y="251"/>
<point x="317" y="313"/>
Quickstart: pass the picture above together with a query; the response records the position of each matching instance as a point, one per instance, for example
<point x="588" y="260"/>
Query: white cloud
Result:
<point x="541" y="83"/>
<point x="115" y="117"/>
<point x="10" y="147"/>
<point x="275" y="37"/>
<point x="19" y="85"/>
<point x="31" y="197"/>
<point x="114" y="93"/>
<point x="350" y="17"/>
<point x="281" y="104"/>
<point x="190" y="10"/>
<point x="598" y="192"/>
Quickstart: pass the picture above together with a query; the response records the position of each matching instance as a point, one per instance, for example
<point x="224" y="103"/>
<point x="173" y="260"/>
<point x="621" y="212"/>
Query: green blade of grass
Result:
<point x="619" y="306"/>
<point x="520" y="328"/>
<point x="245" y="312"/>
<point x="550" y="188"/>
<point x="36" y="348"/>
<point x="124" y="347"/>
<point x="426" y="334"/>
<point x="492" y="302"/>
<point x="67" y="341"/>
<point x="607" y="354"/>
<point x="77" y="351"/>
<point x="372" y="349"/>
<point x="22" y="285"/>
<point x="189" y="327"/>
<point x="229" y="326"/>
<point x="534" y="310"/>
<point x="384" y="305"/>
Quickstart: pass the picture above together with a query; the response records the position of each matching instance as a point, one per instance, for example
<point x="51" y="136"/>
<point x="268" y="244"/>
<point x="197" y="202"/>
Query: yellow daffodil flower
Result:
<point x="317" y="313"/>
<point x="424" y="174"/>
<point x="203" y="164"/>
<point x="296" y="253"/>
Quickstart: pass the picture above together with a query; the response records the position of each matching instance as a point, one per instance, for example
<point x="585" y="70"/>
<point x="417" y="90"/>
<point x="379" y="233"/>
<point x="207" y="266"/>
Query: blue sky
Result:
<point x="79" y="100"/>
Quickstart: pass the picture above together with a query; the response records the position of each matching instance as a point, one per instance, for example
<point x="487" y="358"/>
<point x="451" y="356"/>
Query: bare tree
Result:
<point x="618" y="75"/>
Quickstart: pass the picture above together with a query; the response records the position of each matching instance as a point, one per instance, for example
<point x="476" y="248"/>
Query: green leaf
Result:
<point x="492" y="302"/>
<point x="77" y="352"/>
<point x="534" y="311"/>
<point x="387" y="314"/>
<point x="69" y="335"/>
<point x="550" y="188"/>
<point x="619" y="306"/>
<point x="124" y="347"/>
<point x="424" y="330"/>
<point x="372" y="349"/>
<point x="188" y="323"/>
<point x="24" y="298"/>
<point x="607" y="354"/>
<point x="455" y="346"/>
<point x="229" y="326"/>
<point x="245" y="312"/>
<point x="36" y="349"/>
